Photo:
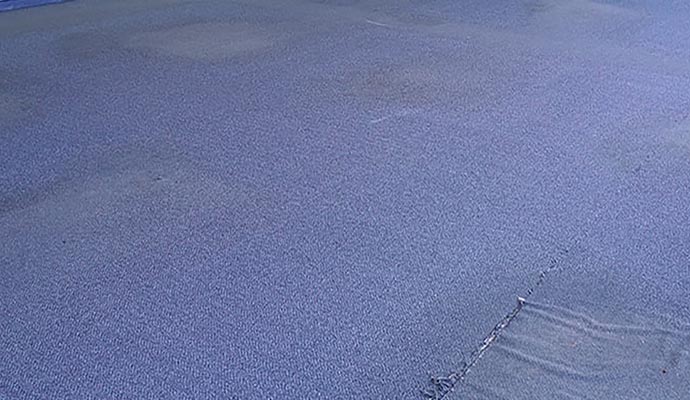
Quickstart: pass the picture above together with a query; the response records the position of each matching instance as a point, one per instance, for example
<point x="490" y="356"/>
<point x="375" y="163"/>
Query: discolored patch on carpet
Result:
<point x="579" y="9"/>
<point x="203" y="41"/>
<point x="680" y="135"/>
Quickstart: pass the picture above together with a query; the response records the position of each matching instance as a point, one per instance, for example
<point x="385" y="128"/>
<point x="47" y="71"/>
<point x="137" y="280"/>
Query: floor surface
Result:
<point x="342" y="199"/>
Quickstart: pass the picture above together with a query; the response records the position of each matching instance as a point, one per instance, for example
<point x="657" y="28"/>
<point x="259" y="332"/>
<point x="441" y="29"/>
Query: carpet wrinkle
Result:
<point x="554" y="349"/>
<point x="442" y="386"/>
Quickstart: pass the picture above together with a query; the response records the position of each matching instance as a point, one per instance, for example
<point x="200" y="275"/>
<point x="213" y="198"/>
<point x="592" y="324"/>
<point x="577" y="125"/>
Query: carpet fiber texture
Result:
<point x="260" y="199"/>
<point x="7" y="5"/>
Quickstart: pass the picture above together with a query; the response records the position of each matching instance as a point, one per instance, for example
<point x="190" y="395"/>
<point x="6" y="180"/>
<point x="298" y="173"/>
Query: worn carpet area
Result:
<point x="261" y="199"/>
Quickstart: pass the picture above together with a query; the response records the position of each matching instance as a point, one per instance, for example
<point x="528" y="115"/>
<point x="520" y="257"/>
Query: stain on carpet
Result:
<point x="203" y="41"/>
<point x="87" y="45"/>
<point x="680" y="135"/>
<point x="578" y="9"/>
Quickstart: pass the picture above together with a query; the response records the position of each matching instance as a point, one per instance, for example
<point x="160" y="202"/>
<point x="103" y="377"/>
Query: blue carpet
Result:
<point x="7" y="5"/>
<point x="307" y="199"/>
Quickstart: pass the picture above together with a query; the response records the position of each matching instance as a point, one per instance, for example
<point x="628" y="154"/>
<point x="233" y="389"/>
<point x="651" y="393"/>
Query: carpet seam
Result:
<point x="442" y="387"/>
